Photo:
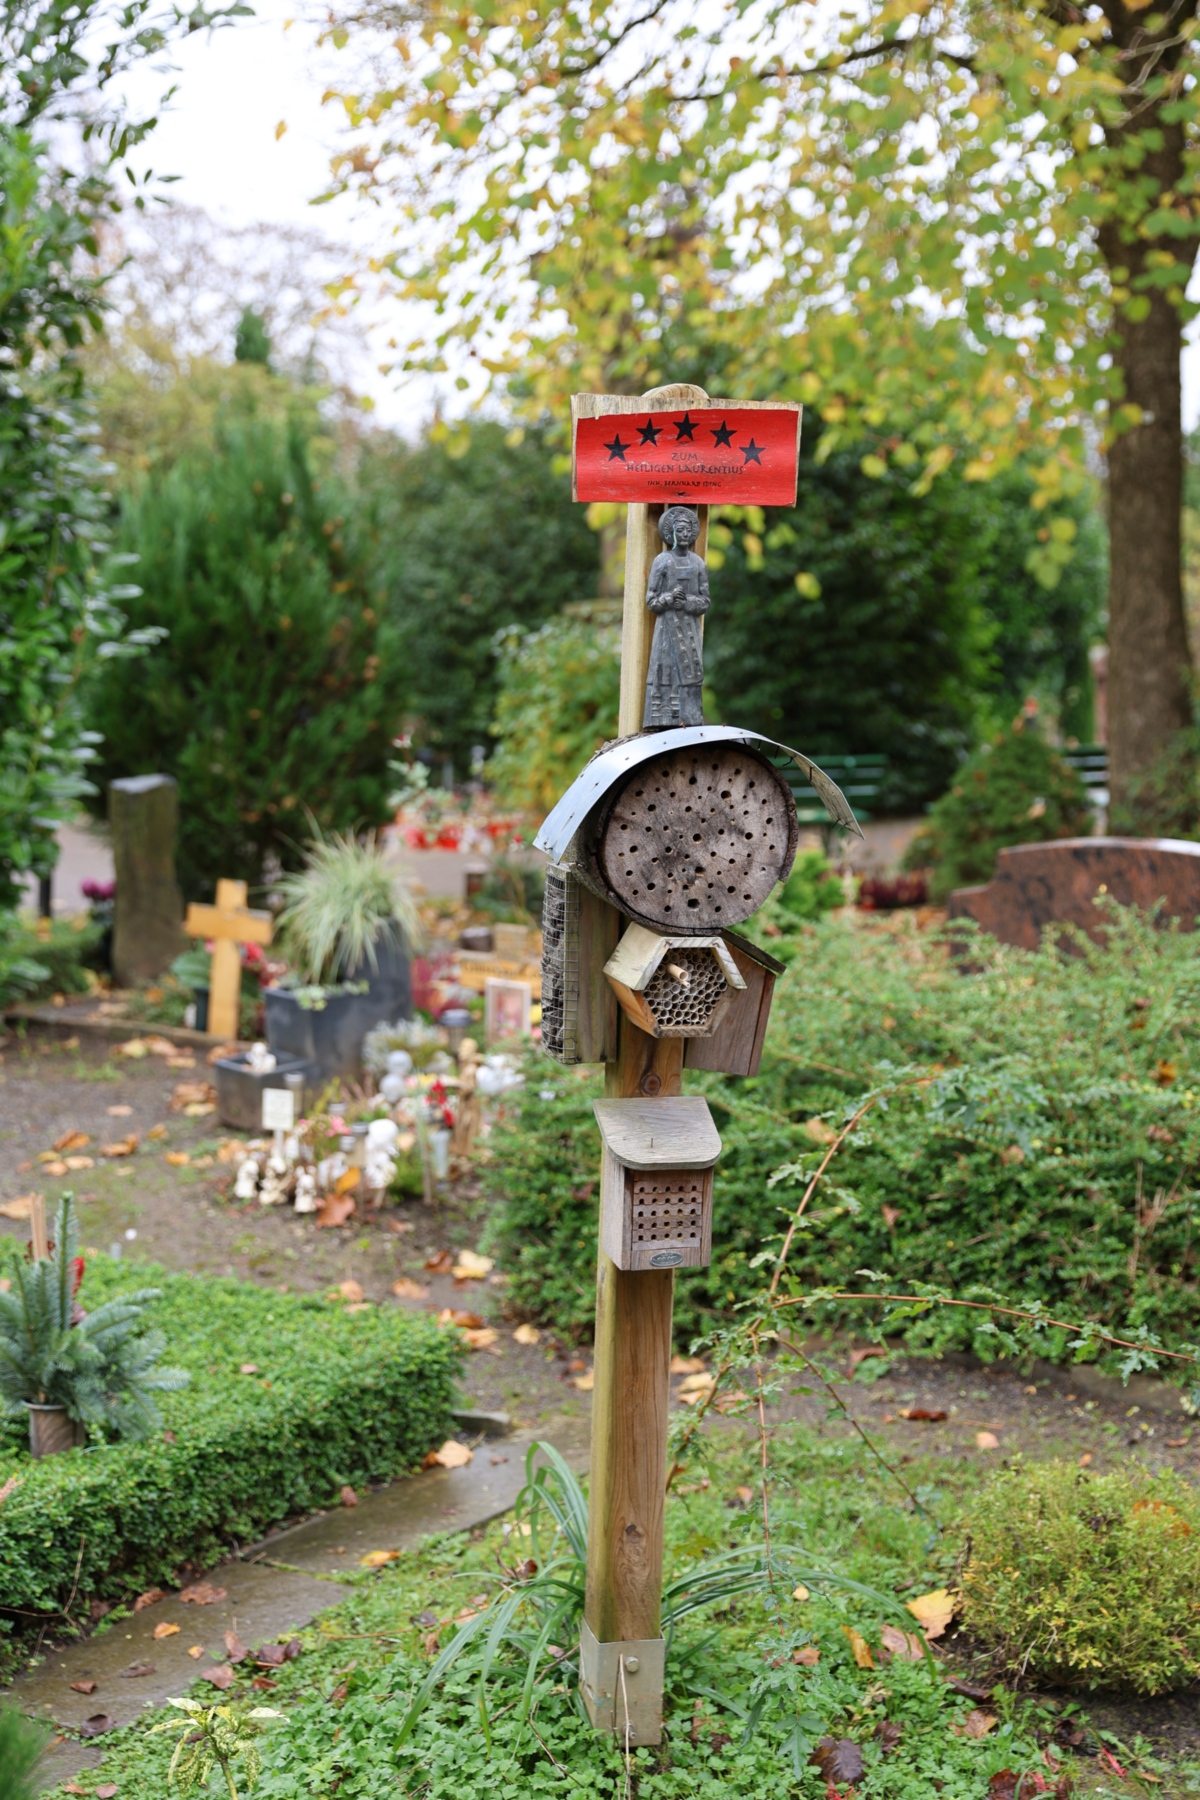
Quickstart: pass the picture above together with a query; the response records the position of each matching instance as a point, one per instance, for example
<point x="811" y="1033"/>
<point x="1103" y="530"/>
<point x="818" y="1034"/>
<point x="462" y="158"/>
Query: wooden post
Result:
<point x="230" y="923"/>
<point x="39" y="1241"/>
<point x="622" y="1652"/>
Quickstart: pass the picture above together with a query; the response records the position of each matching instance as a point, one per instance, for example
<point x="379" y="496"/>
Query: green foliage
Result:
<point x="209" y="1738"/>
<point x="1087" y="1581"/>
<point x="1044" y="1146"/>
<point x="734" y="1696"/>
<point x="1164" y="801"/>
<point x="560" y="689"/>
<point x="913" y="627"/>
<point x="103" y="1366"/>
<point x="813" y="889"/>
<point x="277" y="691"/>
<point x="341" y="907"/>
<point x="511" y="892"/>
<point x="48" y="956"/>
<point x="21" y="1746"/>
<point x="251" y="343"/>
<point x="337" y="1399"/>
<point x="1015" y="790"/>
<point x="466" y="534"/>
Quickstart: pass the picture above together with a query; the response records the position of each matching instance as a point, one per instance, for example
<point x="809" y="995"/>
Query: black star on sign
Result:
<point x="684" y="427"/>
<point x="649" y="432"/>
<point x="616" y="450"/>
<point x="722" y="433"/>
<point x="752" y="452"/>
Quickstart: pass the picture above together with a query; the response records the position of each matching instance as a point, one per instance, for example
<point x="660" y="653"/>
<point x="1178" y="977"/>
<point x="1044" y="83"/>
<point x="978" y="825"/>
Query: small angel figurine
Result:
<point x="678" y="595"/>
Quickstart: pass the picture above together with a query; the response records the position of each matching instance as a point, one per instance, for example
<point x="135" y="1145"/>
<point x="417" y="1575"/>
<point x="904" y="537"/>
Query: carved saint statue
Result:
<point x="678" y="596"/>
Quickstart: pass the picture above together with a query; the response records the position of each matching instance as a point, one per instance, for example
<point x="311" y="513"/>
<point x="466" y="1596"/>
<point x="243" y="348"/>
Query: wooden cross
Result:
<point x="623" y="1605"/>
<point x="230" y="923"/>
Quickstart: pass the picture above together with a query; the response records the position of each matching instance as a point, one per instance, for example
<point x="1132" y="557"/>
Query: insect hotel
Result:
<point x="671" y="837"/>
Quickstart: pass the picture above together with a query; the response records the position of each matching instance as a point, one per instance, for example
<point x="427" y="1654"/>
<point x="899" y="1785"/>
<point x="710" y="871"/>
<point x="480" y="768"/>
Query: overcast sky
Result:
<point x="235" y="87"/>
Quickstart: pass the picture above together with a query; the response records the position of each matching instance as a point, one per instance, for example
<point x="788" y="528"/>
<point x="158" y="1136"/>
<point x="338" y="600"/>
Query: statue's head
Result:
<point x="679" y="527"/>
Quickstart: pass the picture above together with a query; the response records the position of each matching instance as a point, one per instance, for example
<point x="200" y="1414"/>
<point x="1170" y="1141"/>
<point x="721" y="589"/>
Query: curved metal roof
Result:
<point x="616" y="760"/>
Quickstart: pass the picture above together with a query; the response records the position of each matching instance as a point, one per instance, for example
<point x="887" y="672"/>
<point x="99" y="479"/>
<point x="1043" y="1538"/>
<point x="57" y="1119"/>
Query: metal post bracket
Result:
<point x="622" y="1684"/>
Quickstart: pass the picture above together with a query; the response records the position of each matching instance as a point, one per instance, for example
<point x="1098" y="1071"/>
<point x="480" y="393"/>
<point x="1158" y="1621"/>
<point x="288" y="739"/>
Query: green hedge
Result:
<point x="338" y="1398"/>
<point x="1048" y="1150"/>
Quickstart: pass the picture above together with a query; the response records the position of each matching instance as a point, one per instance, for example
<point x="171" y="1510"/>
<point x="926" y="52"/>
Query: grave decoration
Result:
<point x="669" y="838"/>
<point x="229" y="924"/>
<point x="1036" y="885"/>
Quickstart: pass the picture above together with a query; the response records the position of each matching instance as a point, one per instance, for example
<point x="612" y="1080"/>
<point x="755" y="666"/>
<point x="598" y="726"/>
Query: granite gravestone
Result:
<point x="1049" y="884"/>
<point x="143" y="813"/>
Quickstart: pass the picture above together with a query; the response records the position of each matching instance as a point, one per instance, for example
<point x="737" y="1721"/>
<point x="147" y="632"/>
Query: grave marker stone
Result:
<point x="1036" y="885"/>
<point x="143" y="814"/>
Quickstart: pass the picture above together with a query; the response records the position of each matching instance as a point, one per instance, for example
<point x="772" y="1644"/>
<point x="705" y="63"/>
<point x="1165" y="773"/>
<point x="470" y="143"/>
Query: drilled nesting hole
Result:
<point x="667" y="1208"/>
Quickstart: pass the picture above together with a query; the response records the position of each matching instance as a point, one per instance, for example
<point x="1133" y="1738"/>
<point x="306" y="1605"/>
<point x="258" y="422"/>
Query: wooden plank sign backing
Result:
<point x="741" y="453"/>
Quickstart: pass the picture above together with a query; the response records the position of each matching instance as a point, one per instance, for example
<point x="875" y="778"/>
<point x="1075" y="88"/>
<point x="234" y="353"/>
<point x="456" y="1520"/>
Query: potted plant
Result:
<point x="348" y="924"/>
<point x="69" y="1369"/>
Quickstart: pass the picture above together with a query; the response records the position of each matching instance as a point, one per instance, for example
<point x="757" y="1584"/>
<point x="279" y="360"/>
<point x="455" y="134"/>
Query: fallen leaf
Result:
<point x="839" y="1760"/>
<point x="891" y="1216"/>
<point x="155" y="1133"/>
<point x="440" y="1263"/>
<point x="800" y="1593"/>
<point x="221" y="1676"/>
<point x="977" y="1724"/>
<point x="151" y="1597"/>
<point x="136" y="1670"/>
<point x="84" y="1687"/>
<point x="905" y="1645"/>
<point x="351" y="1290"/>
<point x="203" y="1593"/>
<point x="161" y="1046"/>
<point x="1003" y="1785"/>
<point x="527" y="1334"/>
<point x="483" y="1338"/>
<point x="349" y="1497"/>
<point x="471" y="1267"/>
<point x="231" y="1150"/>
<point x="687" y="1365"/>
<point x="72" y="1140"/>
<point x="19" y="1208"/>
<point x="235" y="1649"/>
<point x="585" y="1382"/>
<point x="248" y="1369"/>
<point x="75" y="1163"/>
<point x="694" y="1386"/>
<point x="347" y="1181"/>
<point x="73" y="1787"/>
<point x="1085" y="1459"/>
<point x="106" y="1791"/>
<point x="270" y="1656"/>
<point x="135" y="1047"/>
<point x="933" y="1611"/>
<point x="98" y="1723"/>
<point x="192" y="1093"/>
<point x="1165" y="1072"/>
<point x="165" y="1630"/>
<point x="932" y="1413"/>
<point x="292" y="1649"/>
<point x="336" y="1209"/>
<point x="986" y="1440"/>
<point x="808" y="1655"/>
<point x="819" y="1131"/>
<point x="860" y="1356"/>
<point x="178" y="1159"/>
<point x="123" y="1147"/>
<point x="408" y="1289"/>
<point x="199" y="1109"/>
<point x="1013" y="1154"/>
<point x="745" y="1495"/>
<point x="469" y="1321"/>
<point x="859" y="1647"/>
<point x="973" y="1690"/>
<point x="1110" y="1762"/>
<point x="359" y="1306"/>
<point x="889" y="1734"/>
<point x="118" y="1112"/>
<point x="58" y="1167"/>
<point x="196" y="1650"/>
<point x="452" y="1454"/>
<point x="375" y="1559"/>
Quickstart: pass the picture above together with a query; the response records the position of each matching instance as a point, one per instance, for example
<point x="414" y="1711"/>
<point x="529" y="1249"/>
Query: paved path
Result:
<point x="275" y="1587"/>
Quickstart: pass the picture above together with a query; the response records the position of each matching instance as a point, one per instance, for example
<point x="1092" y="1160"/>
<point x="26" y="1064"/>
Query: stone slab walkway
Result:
<point x="274" y="1587"/>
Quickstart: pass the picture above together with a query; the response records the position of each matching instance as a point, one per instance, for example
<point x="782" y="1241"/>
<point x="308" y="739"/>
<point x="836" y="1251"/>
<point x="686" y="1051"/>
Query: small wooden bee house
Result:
<point x="656" y="1182"/>
<point x="673" y="986"/>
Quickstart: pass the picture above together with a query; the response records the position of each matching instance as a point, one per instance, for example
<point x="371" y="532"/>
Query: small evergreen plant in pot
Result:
<point x="1016" y="789"/>
<point x="70" y="1370"/>
<point x="1087" y="1581"/>
<point x="348" y="924"/>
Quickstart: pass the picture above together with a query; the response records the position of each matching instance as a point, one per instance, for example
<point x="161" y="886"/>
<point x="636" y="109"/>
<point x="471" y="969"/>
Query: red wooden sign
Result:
<point x="743" y="454"/>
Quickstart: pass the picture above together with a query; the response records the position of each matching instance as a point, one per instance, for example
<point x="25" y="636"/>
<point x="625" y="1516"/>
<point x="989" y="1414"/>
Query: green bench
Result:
<point x="860" y="779"/>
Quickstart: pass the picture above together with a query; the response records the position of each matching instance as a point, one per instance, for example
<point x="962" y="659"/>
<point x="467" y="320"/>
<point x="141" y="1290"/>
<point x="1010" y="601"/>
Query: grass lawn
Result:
<point x="737" y="1695"/>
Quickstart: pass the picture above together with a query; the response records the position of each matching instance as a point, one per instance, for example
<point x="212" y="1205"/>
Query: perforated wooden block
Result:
<point x="656" y="1207"/>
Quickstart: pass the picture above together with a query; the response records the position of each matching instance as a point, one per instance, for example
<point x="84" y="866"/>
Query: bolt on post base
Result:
<point x="622" y="1685"/>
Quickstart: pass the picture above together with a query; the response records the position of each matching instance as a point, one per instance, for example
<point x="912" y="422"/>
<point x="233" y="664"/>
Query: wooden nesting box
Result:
<point x="579" y="931"/>
<point x="673" y="987"/>
<point x="656" y="1182"/>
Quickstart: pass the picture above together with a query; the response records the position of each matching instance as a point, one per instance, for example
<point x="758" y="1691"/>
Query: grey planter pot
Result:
<point x="330" y="1039"/>
<point x="51" y="1431"/>
<point x="240" y="1090"/>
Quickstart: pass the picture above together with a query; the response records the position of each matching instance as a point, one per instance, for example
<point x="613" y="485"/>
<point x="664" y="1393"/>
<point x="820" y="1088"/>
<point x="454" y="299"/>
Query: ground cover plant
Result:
<point x="290" y="1398"/>
<point x="1035" y="1138"/>
<point x="763" y="1693"/>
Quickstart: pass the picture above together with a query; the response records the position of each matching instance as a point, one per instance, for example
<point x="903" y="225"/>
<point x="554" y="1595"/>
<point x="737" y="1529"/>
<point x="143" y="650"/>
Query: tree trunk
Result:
<point x="1149" y="695"/>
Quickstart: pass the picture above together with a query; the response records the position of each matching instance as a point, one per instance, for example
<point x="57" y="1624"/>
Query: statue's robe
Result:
<point x="678" y="595"/>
